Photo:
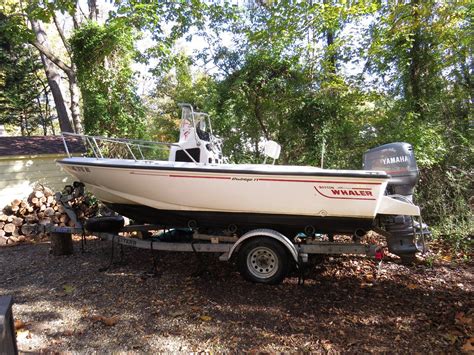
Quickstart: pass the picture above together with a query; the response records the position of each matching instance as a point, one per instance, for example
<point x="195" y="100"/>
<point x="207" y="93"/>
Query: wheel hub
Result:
<point x="262" y="262"/>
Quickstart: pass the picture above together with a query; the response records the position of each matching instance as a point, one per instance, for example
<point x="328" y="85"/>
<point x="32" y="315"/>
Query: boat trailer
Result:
<point x="269" y="250"/>
<point x="262" y="255"/>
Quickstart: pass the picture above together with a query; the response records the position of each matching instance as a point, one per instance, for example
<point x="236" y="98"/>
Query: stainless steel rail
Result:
<point x="94" y="143"/>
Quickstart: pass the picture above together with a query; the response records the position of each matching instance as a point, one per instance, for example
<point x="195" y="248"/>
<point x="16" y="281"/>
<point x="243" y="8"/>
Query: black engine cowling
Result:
<point x="398" y="160"/>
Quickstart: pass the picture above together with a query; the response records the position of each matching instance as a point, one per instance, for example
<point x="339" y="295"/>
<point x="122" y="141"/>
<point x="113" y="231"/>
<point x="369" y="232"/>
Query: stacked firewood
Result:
<point x="40" y="207"/>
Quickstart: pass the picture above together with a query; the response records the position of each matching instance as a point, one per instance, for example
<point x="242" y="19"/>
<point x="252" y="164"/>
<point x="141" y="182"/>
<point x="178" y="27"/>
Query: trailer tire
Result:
<point x="263" y="260"/>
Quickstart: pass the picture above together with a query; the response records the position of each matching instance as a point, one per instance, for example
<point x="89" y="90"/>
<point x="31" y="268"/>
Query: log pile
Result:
<point x="40" y="207"/>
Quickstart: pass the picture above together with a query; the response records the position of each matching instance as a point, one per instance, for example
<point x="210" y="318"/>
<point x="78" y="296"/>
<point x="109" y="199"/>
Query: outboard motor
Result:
<point x="398" y="160"/>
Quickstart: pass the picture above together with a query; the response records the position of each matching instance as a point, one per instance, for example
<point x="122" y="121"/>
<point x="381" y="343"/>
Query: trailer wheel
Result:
<point x="263" y="260"/>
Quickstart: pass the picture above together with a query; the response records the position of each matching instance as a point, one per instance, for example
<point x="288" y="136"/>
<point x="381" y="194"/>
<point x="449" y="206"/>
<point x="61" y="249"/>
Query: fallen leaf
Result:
<point x="23" y="333"/>
<point x="369" y="278"/>
<point x="461" y="318"/>
<point x="205" y="318"/>
<point x="109" y="321"/>
<point x="447" y="258"/>
<point x="451" y="337"/>
<point x="96" y="318"/>
<point x="468" y="346"/>
<point x="326" y="345"/>
<point x="19" y="324"/>
<point x="68" y="289"/>
<point x="177" y="313"/>
<point x="412" y="286"/>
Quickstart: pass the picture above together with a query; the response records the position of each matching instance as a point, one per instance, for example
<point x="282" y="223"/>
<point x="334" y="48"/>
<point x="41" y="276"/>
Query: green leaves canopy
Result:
<point x="103" y="56"/>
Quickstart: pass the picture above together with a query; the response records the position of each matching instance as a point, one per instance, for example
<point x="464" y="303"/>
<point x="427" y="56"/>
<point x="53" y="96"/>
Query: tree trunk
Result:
<point x="416" y="62"/>
<point x="331" y="54"/>
<point x="93" y="10"/>
<point x="43" y="116"/>
<point x="46" y="115"/>
<point x="53" y="80"/>
<point x="330" y="50"/>
<point x="75" y="97"/>
<point x="258" y="116"/>
<point x="74" y="91"/>
<point x="22" y="126"/>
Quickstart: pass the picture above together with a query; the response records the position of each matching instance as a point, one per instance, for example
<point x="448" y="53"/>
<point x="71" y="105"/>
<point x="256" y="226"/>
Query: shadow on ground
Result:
<point x="66" y="303"/>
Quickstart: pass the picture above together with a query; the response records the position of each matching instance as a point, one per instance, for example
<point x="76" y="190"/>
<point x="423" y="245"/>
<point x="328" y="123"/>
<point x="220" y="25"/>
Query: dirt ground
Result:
<point x="346" y="305"/>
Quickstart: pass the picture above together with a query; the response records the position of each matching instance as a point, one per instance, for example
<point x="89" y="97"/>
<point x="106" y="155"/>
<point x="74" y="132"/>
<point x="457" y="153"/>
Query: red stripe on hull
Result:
<point x="148" y="174"/>
<point x="201" y="177"/>
<point x="322" y="181"/>
<point x="266" y="179"/>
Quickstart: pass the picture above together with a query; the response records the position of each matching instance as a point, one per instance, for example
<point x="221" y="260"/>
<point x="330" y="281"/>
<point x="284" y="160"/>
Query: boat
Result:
<point x="191" y="184"/>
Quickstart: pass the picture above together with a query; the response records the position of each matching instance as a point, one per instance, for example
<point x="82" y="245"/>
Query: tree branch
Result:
<point x="47" y="53"/>
<point x="39" y="33"/>
<point x="75" y="17"/>
<point x="61" y="34"/>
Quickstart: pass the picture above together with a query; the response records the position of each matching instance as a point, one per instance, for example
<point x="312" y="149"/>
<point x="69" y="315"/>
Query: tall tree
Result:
<point x="52" y="74"/>
<point x="32" y="31"/>
<point x="103" y="54"/>
<point x="23" y="96"/>
<point x="37" y="13"/>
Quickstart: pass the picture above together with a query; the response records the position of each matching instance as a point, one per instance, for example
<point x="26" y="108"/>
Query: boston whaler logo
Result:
<point x="345" y="192"/>
<point x="394" y="160"/>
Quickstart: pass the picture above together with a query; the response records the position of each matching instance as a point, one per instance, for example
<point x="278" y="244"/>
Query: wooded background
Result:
<point x="349" y="75"/>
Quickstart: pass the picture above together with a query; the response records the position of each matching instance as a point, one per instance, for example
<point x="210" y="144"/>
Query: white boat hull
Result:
<point x="230" y="190"/>
<point x="185" y="190"/>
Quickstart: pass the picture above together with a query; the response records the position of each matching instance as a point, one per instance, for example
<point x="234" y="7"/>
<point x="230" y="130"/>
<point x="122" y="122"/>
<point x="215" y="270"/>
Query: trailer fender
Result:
<point x="266" y="233"/>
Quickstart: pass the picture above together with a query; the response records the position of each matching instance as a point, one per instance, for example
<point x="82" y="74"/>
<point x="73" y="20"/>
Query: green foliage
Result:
<point x="21" y="87"/>
<point x="445" y="191"/>
<point x="255" y="101"/>
<point x="335" y="117"/>
<point x="176" y="86"/>
<point x="44" y="10"/>
<point x="183" y="17"/>
<point x="283" y="80"/>
<point x="343" y="76"/>
<point x="103" y="56"/>
<point x="422" y="51"/>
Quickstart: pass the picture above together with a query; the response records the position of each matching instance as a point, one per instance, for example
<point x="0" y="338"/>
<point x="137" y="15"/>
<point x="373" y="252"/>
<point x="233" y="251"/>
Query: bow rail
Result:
<point x="102" y="147"/>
